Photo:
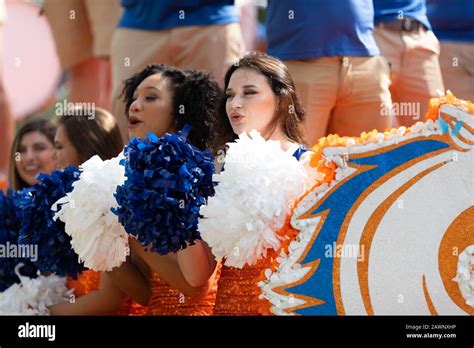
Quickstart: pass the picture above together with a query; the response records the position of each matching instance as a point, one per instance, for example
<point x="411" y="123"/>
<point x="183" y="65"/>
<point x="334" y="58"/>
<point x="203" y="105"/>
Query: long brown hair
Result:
<point x="99" y="135"/>
<point x="290" y="114"/>
<point x="43" y="126"/>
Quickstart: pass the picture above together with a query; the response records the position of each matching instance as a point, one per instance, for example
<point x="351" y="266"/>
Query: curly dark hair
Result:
<point x="291" y="114"/>
<point x="193" y="91"/>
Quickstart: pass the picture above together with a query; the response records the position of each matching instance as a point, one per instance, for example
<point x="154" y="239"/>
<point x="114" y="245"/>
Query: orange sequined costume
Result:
<point x="237" y="289"/>
<point x="238" y="292"/>
<point x="89" y="280"/>
<point x="166" y="300"/>
<point x="86" y="282"/>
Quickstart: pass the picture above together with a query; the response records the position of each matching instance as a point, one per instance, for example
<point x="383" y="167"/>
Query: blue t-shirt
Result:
<point x="389" y="10"/>
<point x="452" y="20"/>
<point x="165" y="14"/>
<point x="306" y="29"/>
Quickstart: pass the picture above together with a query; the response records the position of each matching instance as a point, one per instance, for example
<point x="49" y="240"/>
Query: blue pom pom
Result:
<point x="55" y="253"/>
<point x="168" y="180"/>
<point x="9" y="227"/>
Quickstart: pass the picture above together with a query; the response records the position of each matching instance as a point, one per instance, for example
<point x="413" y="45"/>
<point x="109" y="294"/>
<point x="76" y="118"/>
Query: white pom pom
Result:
<point x="33" y="296"/>
<point x="97" y="236"/>
<point x="256" y="190"/>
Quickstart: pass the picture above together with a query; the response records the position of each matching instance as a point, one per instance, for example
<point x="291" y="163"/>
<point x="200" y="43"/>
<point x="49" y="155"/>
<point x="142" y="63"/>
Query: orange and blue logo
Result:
<point x="386" y="238"/>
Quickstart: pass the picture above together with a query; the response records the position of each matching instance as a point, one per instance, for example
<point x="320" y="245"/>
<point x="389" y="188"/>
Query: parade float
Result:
<point x="389" y="227"/>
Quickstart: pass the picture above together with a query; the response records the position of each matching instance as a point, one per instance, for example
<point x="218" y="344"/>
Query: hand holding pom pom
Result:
<point x="168" y="180"/>
<point x="38" y="227"/>
<point x="97" y="236"/>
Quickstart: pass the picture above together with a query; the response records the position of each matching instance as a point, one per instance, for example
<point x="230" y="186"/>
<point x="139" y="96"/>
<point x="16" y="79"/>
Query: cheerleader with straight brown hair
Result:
<point x="78" y="138"/>
<point x="259" y="96"/>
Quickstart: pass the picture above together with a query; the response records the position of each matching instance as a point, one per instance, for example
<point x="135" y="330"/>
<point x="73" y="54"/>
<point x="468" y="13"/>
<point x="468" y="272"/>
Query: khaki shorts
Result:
<point x="416" y="74"/>
<point x="82" y="28"/>
<point x="457" y="65"/>
<point x="210" y="48"/>
<point x="342" y="95"/>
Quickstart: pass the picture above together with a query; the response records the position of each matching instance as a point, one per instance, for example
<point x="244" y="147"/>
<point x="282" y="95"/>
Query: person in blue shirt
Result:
<point x="193" y="34"/>
<point x="453" y="24"/>
<point x="404" y="36"/>
<point x="330" y="51"/>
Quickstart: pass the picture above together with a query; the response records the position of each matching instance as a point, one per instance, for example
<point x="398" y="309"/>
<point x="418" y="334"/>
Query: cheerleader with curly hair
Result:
<point x="163" y="100"/>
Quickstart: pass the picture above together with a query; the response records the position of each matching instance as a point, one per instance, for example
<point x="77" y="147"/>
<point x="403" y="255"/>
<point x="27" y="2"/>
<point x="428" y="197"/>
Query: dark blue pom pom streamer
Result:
<point x="168" y="179"/>
<point x="10" y="254"/>
<point x="55" y="253"/>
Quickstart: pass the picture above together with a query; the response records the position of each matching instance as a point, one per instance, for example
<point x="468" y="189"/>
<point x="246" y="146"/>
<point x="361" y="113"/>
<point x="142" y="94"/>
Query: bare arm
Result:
<point x="169" y="270"/>
<point x="197" y="263"/>
<point x="105" y="300"/>
<point x="132" y="279"/>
